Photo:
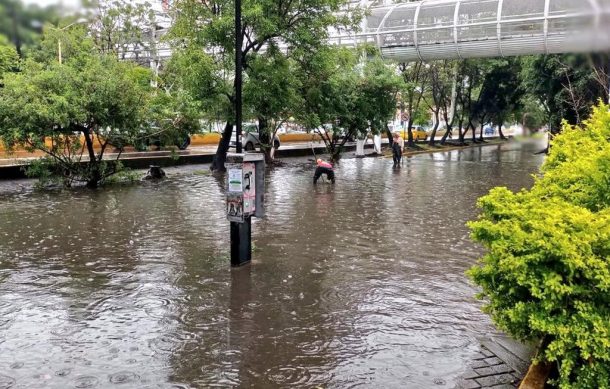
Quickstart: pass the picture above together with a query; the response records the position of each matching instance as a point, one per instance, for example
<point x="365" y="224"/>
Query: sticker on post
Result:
<point x="235" y="207"/>
<point x="235" y="180"/>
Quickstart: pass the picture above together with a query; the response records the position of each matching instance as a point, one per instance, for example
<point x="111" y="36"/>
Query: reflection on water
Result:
<point x="357" y="284"/>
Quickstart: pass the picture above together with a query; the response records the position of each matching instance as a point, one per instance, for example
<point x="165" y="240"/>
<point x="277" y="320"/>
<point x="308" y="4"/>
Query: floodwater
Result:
<point x="360" y="284"/>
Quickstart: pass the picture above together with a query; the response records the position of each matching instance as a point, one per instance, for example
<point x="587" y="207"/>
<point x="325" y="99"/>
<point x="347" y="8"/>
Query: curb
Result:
<point x="17" y="172"/>
<point x="536" y="376"/>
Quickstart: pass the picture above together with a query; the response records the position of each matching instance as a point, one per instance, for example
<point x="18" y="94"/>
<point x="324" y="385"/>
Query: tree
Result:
<point x="49" y="107"/>
<point x="439" y="98"/>
<point x="416" y="80"/>
<point x="546" y="274"/>
<point x="23" y="25"/>
<point x="565" y="85"/>
<point x="125" y="29"/>
<point x="9" y="59"/>
<point x="271" y="94"/>
<point x="501" y="93"/>
<point x="346" y="98"/>
<point x="208" y="27"/>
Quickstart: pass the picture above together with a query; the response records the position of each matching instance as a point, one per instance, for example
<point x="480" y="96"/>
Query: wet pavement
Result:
<point x="360" y="284"/>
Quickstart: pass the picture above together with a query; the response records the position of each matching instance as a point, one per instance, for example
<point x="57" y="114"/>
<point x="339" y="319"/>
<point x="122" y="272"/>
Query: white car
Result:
<point x="250" y="140"/>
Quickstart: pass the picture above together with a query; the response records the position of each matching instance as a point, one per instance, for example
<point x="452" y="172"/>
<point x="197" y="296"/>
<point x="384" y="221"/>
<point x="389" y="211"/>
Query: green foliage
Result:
<point x="270" y="75"/>
<point x="22" y="24"/>
<point x="124" y="176"/>
<point x="346" y="96"/>
<point x="43" y="170"/>
<point x="9" y="59"/>
<point x="122" y="26"/>
<point x="567" y="85"/>
<point x="546" y="274"/>
<point x="501" y="91"/>
<point x="73" y="109"/>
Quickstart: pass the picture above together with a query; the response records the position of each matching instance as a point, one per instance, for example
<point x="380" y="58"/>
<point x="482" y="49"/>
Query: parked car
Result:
<point x="250" y="139"/>
<point x="488" y="130"/>
<point x="419" y="133"/>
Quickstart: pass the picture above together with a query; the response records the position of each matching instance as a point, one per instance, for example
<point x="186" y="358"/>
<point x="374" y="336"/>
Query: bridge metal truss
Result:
<point x="456" y="29"/>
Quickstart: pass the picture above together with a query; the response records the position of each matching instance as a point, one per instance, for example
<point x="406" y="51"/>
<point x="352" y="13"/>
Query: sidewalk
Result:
<point x="21" y="158"/>
<point x="500" y="364"/>
<point x="11" y="166"/>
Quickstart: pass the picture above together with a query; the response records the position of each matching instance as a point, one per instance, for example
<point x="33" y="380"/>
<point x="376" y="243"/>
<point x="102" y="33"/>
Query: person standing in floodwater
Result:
<point x="398" y="147"/>
<point x="324" y="168"/>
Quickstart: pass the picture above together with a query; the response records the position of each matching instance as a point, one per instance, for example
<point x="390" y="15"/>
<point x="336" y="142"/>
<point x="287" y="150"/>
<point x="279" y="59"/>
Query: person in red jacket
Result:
<point x="324" y="168"/>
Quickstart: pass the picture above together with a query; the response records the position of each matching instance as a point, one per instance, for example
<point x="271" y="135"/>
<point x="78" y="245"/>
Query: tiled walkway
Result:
<point x="500" y="364"/>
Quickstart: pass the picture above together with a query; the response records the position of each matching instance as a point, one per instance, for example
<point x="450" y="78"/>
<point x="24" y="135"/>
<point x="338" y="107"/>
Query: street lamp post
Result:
<point x="238" y="75"/>
<point x="79" y="21"/>
<point x="241" y="232"/>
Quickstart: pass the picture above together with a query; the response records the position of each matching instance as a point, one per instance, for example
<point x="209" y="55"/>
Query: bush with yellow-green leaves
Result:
<point x="546" y="273"/>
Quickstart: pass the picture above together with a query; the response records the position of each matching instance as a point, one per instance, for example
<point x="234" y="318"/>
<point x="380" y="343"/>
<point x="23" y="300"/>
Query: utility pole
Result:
<point x="241" y="232"/>
<point x="238" y="75"/>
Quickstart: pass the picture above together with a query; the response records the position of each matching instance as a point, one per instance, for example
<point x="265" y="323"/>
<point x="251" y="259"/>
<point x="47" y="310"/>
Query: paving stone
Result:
<point x="504" y="386"/>
<point x="493" y="361"/>
<point x="478" y="356"/>
<point x="485" y="371"/>
<point x="486" y="352"/>
<point x="507" y="356"/>
<point x="470" y="374"/>
<point x="503" y="368"/>
<point x="493" y="380"/>
<point x="478" y="364"/>
<point x="467" y="384"/>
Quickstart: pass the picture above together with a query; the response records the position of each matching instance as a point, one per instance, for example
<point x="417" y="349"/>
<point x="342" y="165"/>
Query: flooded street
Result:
<point x="360" y="284"/>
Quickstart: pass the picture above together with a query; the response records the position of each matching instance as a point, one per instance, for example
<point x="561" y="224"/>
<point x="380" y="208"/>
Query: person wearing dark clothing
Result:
<point x="397" y="147"/>
<point x="324" y="168"/>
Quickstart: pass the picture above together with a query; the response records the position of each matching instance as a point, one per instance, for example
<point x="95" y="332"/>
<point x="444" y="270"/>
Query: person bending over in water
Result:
<point x="324" y="168"/>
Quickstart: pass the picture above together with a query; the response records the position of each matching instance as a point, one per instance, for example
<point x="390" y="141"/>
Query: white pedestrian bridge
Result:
<point x="455" y="29"/>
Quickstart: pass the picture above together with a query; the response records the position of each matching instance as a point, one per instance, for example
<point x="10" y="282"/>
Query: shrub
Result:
<point x="546" y="273"/>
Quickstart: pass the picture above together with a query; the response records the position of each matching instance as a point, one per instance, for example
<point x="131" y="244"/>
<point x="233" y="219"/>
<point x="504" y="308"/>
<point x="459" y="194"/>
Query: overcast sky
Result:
<point x="47" y="2"/>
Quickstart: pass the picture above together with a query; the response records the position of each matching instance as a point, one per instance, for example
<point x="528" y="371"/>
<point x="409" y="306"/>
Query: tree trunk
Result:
<point x="449" y="124"/>
<point x="500" y="131"/>
<point x="433" y="133"/>
<point x="94" y="176"/>
<point x="446" y="135"/>
<point x="264" y="137"/>
<point x="461" y="134"/>
<point x="410" y="142"/>
<point x="474" y="132"/>
<point x="218" y="164"/>
<point x="481" y="133"/>
<point x="389" y="135"/>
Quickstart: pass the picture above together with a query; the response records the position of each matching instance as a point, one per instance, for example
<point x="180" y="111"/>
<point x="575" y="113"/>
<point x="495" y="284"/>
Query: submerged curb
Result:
<point x="16" y="171"/>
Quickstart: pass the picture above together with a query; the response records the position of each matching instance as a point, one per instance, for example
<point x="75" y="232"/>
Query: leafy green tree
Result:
<point x="546" y="274"/>
<point x="416" y="78"/>
<point x="172" y="118"/>
<point x="125" y="28"/>
<point x="438" y="100"/>
<point x="567" y="85"/>
<point x="209" y="27"/>
<point x="74" y="110"/>
<point x="349" y="98"/>
<point x="271" y="94"/>
<point x="501" y="94"/>
<point x="9" y="59"/>
<point x="22" y="24"/>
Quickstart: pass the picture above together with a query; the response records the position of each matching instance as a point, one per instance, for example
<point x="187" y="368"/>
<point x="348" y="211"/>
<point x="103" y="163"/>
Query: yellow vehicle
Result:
<point x="418" y="133"/>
